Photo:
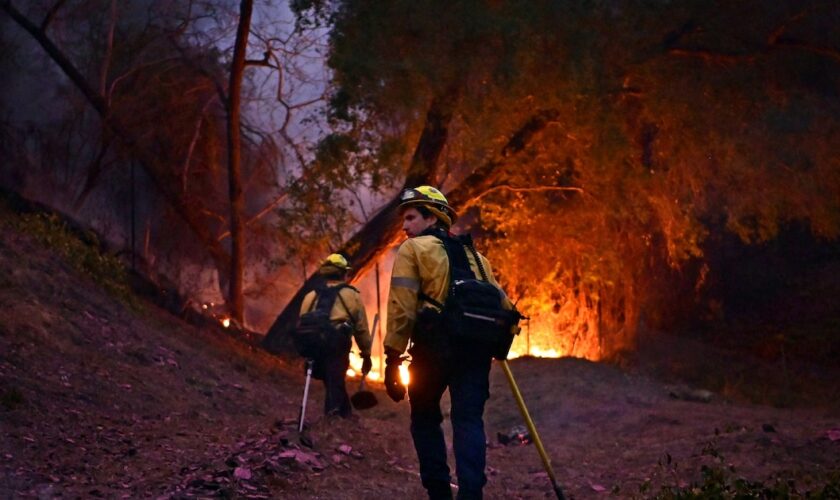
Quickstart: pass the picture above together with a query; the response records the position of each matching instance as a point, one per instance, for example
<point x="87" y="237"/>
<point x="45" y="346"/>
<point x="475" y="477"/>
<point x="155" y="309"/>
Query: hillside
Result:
<point x="102" y="397"/>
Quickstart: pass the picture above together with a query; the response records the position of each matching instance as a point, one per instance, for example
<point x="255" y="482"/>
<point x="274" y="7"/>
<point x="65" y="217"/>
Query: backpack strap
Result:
<point x="430" y="300"/>
<point x="316" y="299"/>
<point x="469" y="244"/>
<point x="326" y="296"/>
<point x="459" y="264"/>
<point x="323" y="299"/>
<point x="343" y="304"/>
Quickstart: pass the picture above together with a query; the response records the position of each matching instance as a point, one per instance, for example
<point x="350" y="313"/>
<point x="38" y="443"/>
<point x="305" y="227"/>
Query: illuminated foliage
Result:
<point x="671" y="120"/>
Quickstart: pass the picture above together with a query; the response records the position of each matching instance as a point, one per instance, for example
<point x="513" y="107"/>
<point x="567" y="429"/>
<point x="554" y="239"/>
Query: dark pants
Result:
<point x="331" y="367"/>
<point x="336" y="401"/>
<point x="468" y="383"/>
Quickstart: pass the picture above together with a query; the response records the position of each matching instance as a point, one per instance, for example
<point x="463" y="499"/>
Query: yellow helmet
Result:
<point x="430" y="198"/>
<point x="333" y="262"/>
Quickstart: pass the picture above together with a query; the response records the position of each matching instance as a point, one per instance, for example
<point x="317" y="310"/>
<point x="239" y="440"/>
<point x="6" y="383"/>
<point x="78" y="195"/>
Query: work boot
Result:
<point x="439" y="491"/>
<point x="466" y="494"/>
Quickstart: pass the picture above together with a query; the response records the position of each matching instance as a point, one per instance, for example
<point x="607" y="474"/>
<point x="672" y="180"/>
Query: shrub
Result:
<point x="721" y="481"/>
<point x="81" y="249"/>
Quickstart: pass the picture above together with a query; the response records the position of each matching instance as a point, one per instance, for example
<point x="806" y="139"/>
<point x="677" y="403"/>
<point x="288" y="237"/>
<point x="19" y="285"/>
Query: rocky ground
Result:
<point x="99" y="398"/>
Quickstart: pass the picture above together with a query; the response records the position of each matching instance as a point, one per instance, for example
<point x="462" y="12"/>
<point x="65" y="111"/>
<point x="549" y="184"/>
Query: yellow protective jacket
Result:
<point x="338" y="314"/>
<point x="422" y="265"/>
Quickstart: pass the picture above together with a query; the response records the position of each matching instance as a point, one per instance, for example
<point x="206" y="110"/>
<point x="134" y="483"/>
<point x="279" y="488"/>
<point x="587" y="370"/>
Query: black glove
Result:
<point x="367" y="364"/>
<point x="393" y="385"/>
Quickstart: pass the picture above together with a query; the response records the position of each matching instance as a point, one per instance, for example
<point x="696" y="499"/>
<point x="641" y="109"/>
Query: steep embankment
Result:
<point x="100" y="398"/>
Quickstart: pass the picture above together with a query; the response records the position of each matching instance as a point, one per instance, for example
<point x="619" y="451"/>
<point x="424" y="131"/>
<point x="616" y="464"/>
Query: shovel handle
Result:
<point x="305" y="394"/>
<point x="533" y="430"/>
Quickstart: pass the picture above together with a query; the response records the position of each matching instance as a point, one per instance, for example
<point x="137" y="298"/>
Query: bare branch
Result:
<point x="775" y="39"/>
<point x="535" y="189"/>
<point x="355" y="193"/>
<point x="213" y="215"/>
<point x="259" y="215"/>
<point x="780" y="30"/>
<point x="109" y="50"/>
<point x="303" y="104"/>
<point x="51" y="14"/>
<point x="482" y="178"/>
<point x="265" y="61"/>
<point x="193" y="142"/>
<point x="95" y="170"/>
<point x="710" y="56"/>
<point x="829" y="52"/>
<point x="132" y="71"/>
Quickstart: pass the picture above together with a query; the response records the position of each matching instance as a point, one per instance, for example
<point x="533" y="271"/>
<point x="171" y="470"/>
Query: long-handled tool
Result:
<point x="533" y="430"/>
<point x="309" y="364"/>
<point x="377" y="326"/>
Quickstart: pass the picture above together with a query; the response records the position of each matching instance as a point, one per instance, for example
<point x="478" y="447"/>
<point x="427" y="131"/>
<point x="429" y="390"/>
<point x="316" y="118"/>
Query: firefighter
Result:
<point x="348" y="318"/>
<point x="419" y="286"/>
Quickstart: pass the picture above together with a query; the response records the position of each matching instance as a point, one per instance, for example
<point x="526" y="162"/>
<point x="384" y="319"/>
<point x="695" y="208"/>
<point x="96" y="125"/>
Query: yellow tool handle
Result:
<point x="532" y="429"/>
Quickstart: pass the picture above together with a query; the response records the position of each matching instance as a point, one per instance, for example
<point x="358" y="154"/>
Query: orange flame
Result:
<point x="564" y="321"/>
<point x="355" y="369"/>
<point x="405" y="378"/>
<point x="555" y="331"/>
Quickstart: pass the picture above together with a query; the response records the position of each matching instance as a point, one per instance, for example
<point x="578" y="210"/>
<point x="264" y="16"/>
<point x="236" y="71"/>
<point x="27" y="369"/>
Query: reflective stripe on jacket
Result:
<point x="338" y="314"/>
<point x="421" y="265"/>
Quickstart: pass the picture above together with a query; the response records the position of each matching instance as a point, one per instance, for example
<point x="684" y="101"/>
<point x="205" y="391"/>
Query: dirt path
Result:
<point x="98" y="399"/>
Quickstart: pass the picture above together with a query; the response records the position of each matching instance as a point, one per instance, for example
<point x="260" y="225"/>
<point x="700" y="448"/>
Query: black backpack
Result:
<point x="315" y="335"/>
<point x="473" y="314"/>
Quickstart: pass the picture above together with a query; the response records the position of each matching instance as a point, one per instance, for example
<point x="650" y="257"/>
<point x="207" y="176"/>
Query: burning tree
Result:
<point x="594" y="147"/>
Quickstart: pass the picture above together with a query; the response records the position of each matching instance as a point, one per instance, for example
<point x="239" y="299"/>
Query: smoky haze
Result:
<point x="57" y="138"/>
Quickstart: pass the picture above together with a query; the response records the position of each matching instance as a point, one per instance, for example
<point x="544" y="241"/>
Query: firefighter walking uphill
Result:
<point x="329" y="316"/>
<point x="444" y="355"/>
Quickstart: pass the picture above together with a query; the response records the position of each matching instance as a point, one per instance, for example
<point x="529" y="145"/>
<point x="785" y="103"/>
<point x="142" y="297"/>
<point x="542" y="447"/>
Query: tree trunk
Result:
<point x="237" y="203"/>
<point x="375" y="236"/>
<point x="482" y="179"/>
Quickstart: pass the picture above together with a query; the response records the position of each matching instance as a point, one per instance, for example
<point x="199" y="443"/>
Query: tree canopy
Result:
<point x="594" y="148"/>
<point x="667" y="122"/>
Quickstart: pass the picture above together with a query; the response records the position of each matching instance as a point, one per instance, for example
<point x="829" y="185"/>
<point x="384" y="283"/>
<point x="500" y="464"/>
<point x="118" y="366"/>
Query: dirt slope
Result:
<point x="100" y="399"/>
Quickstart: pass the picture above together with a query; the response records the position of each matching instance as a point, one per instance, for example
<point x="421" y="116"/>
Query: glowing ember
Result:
<point x="564" y="322"/>
<point x="225" y="322"/>
<point x="540" y="343"/>
<point x="370" y="376"/>
<point x="544" y="353"/>
<point x="356" y="367"/>
<point x="572" y="331"/>
<point x="404" y="376"/>
<point x="535" y="352"/>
